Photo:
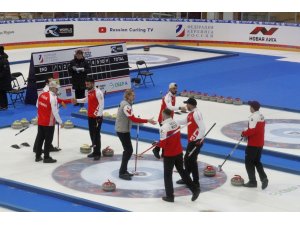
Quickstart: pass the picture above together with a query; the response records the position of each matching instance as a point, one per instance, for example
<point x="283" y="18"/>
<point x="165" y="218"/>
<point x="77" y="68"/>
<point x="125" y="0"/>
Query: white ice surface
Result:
<point x="283" y="193"/>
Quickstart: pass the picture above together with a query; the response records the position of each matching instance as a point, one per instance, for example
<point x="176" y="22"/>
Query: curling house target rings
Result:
<point x="87" y="175"/>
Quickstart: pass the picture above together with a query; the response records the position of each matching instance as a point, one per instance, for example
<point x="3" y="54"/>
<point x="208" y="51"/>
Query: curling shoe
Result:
<point x="125" y="176"/>
<point x="264" y="183"/>
<point x="180" y="182"/>
<point x="250" y="184"/>
<point x="49" y="160"/>
<point x="196" y="194"/>
<point x="168" y="199"/>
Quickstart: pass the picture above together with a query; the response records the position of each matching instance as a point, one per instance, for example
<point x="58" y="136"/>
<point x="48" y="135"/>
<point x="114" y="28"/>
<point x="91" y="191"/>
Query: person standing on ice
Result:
<point x="255" y="135"/>
<point x="170" y="141"/>
<point x="63" y="102"/>
<point x="47" y="117"/>
<point x="196" y="131"/>
<point x="123" y="124"/>
<point x="95" y="100"/>
<point x="168" y="102"/>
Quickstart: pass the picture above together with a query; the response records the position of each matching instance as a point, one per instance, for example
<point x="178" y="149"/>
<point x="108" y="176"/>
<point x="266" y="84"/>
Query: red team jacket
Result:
<point x="95" y="101"/>
<point x="170" y="138"/>
<point x="47" y="109"/>
<point x="168" y="101"/>
<point x="256" y="130"/>
<point x="196" y="127"/>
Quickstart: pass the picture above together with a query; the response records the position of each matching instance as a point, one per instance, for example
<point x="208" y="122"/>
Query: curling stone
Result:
<point x="237" y="180"/>
<point x="213" y="98"/>
<point x="205" y="97"/>
<point x="24" y="122"/>
<point x="209" y="171"/>
<point x="85" y="149"/>
<point x="108" y="152"/>
<point x="17" y="125"/>
<point x="34" y="121"/>
<point x="109" y="186"/>
<point x="184" y="93"/>
<point x="146" y="48"/>
<point x="83" y="111"/>
<point x="220" y="99"/>
<point x="68" y="124"/>
<point x="229" y="100"/>
<point x="237" y="101"/>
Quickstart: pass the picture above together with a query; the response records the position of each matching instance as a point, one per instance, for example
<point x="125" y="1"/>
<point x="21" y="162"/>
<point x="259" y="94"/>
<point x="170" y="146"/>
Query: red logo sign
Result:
<point x="264" y="31"/>
<point x="102" y="29"/>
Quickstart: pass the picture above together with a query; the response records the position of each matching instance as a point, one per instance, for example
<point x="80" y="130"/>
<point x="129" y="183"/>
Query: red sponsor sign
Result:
<point x="102" y="29"/>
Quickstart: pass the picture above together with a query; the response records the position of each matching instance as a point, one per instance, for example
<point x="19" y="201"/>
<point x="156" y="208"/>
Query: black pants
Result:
<point x="190" y="162"/>
<point x="125" y="139"/>
<point x="79" y="93"/>
<point x="45" y="134"/>
<point x="36" y="140"/>
<point x="94" y="128"/>
<point x="169" y="163"/>
<point x="252" y="161"/>
<point x="3" y="99"/>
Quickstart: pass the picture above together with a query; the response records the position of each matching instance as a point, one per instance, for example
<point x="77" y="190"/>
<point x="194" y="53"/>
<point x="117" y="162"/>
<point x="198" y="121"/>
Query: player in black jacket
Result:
<point x="78" y="70"/>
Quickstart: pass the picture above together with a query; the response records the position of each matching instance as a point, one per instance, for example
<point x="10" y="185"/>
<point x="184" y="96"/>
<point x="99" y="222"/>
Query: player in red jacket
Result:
<point x="60" y="101"/>
<point x="95" y="99"/>
<point x="168" y="102"/>
<point x="255" y="135"/>
<point x="47" y="117"/>
<point x="171" y="143"/>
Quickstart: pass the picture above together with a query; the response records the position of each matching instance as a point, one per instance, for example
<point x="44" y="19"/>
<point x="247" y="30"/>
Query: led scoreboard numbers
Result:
<point x="109" y="67"/>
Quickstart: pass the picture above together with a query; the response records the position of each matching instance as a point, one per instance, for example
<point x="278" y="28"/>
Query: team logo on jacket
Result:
<point x="180" y="31"/>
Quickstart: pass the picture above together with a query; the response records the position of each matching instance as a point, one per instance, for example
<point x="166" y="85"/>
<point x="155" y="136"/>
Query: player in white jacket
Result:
<point x="196" y="132"/>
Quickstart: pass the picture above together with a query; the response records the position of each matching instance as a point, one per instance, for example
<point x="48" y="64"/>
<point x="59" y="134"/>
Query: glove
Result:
<point x="155" y="143"/>
<point x="74" y="68"/>
<point x="242" y="134"/>
<point x="199" y="142"/>
<point x="80" y="69"/>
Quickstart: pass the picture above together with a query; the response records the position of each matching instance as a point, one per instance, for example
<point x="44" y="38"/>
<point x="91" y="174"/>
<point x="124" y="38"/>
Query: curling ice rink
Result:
<point x="282" y="194"/>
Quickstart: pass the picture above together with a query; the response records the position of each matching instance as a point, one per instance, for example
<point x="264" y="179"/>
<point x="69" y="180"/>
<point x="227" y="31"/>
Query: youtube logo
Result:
<point x="102" y="29"/>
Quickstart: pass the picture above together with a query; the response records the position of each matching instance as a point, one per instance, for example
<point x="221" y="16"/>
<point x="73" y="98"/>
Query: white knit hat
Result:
<point x="172" y="85"/>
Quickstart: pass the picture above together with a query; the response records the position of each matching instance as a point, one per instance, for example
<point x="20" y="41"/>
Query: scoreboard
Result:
<point x="109" y="68"/>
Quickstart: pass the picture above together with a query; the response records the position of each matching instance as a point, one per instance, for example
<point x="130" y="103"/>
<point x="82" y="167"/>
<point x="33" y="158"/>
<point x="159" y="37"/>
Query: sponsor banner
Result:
<point x="247" y="32"/>
<point x="63" y="30"/>
<point x="113" y="85"/>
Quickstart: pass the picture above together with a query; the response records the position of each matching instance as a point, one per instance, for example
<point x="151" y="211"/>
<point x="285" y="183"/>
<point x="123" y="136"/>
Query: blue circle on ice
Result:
<point x="279" y="133"/>
<point x="152" y="58"/>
